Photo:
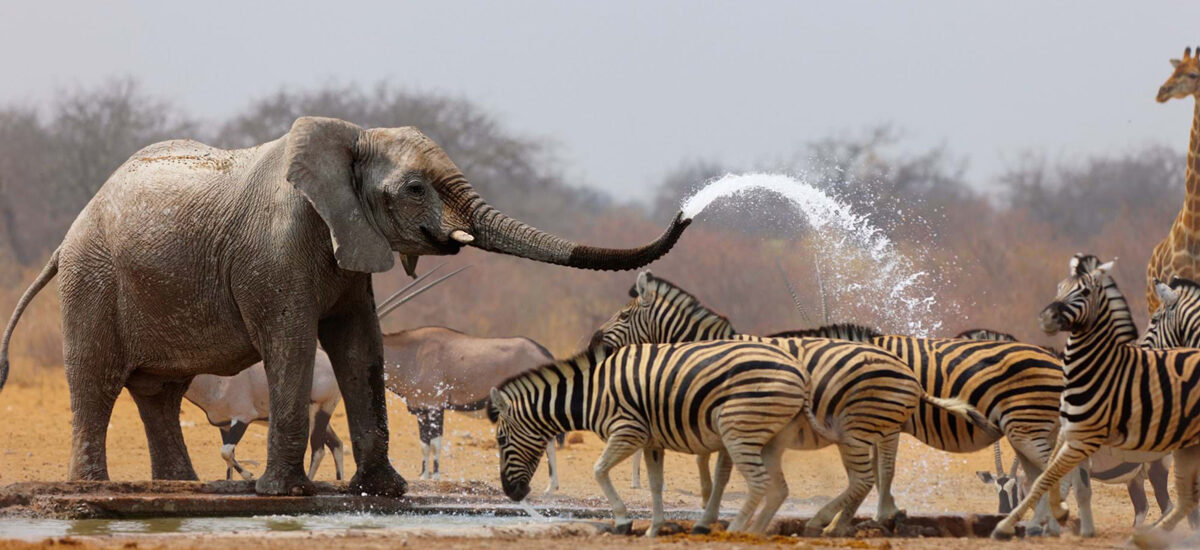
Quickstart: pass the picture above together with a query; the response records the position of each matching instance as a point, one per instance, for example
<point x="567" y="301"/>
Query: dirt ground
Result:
<point x="35" y="435"/>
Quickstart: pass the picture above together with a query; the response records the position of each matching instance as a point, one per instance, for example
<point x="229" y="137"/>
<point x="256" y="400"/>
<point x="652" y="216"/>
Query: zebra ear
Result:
<point x="1166" y="294"/>
<point x="643" y="288"/>
<point x="1106" y="267"/>
<point x="499" y="401"/>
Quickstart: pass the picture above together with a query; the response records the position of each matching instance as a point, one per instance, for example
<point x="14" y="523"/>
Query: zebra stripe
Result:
<point x="862" y="396"/>
<point x="1117" y="394"/>
<point x="1176" y="323"/>
<point x="747" y="400"/>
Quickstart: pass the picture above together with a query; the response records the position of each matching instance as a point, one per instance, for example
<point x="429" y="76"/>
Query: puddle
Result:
<point x="36" y="529"/>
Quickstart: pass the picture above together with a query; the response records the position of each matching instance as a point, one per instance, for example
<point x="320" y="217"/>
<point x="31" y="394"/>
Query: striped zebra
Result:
<point x="862" y="408"/>
<point x="1117" y="393"/>
<point x="1016" y="386"/>
<point x="1176" y="323"/>
<point x="1108" y="466"/>
<point x="745" y="399"/>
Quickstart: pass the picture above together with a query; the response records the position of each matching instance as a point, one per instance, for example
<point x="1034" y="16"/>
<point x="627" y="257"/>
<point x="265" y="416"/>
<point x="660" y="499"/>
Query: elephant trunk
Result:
<point x="496" y="232"/>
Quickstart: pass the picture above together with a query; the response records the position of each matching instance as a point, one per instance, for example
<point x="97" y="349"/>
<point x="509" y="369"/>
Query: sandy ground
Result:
<point x="35" y="435"/>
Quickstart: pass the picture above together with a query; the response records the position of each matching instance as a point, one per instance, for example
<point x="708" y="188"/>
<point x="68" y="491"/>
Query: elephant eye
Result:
<point x="414" y="189"/>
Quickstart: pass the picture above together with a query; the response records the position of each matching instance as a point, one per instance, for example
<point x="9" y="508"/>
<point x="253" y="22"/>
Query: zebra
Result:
<point x="1117" y="393"/>
<point x="1108" y="466"/>
<point x="861" y="408"/>
<point x="745" y="399"/>
<point x="1016" y="386"/>
<point x="1176" y="323"/>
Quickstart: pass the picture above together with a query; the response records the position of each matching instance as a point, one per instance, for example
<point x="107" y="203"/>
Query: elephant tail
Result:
<point x="48" y="273"/>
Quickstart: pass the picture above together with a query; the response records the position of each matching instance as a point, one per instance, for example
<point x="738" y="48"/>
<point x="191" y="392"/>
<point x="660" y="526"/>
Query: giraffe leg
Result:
<point x="1070" y="454"/>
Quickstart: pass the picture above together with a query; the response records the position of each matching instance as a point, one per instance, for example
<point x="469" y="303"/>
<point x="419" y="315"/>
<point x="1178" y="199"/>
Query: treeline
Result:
<point x="994" y="249"/>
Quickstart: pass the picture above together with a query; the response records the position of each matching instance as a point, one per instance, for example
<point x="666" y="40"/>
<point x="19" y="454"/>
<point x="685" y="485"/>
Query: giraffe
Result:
<point x="1179" y="253"/>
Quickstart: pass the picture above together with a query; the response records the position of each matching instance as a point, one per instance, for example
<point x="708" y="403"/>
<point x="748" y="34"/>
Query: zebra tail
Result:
<point x="821" y="430"/>
<point x="965" y="411"/>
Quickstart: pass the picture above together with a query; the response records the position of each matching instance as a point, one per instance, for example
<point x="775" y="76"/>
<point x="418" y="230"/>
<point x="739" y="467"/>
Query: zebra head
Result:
<point x="1078" y="296"/>
<point x="660" y="312"/>
<point x="520" y="438"/>
<point x="1176" y="323"/>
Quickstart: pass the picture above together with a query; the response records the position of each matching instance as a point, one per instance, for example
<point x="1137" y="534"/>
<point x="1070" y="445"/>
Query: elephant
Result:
<point x="192" y="259"/>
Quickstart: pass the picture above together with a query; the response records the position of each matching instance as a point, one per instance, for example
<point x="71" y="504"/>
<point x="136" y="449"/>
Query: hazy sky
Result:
<point x="629" y="89"/>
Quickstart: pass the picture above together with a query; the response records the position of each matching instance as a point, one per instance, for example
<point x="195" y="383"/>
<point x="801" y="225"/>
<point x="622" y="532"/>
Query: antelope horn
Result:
<point x="999" y="460"/>
<point x="392" y="307"/>
<point x="415" y="282"/>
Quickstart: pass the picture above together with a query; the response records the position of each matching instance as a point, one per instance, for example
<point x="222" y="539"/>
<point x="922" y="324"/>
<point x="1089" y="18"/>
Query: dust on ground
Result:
<point x="35" y="426"/>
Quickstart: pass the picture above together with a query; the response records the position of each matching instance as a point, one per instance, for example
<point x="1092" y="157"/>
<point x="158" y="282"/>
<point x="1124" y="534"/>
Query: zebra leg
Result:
<point x="777" y="487"/>
<point x="1187" y="466"/>
<point x="885" y="471"/>
<point x="1070" y="455"/>
<point x="856" y="459"/>
<point x="637" y="470"/>
<point x="1083" y="499"/>
<point x="621" y="444"/>
<point x="654" y="473"/>
<point x="1137" y="495"/>
<point x="705" y="477"/>
<point x="712" y="506"/>
<point x="552" y="465"/>
<point x="1033" y="455"/>
<point x="748" y="457"/>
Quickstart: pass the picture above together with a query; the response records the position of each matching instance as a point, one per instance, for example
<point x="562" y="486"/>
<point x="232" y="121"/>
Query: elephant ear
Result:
<point x="320" y="158"/>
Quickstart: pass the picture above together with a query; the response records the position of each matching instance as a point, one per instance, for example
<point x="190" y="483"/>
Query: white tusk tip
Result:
<point x="462" y="236"/>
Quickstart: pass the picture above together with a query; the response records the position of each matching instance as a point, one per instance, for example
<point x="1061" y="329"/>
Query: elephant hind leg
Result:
<point x="159" y="410"/>
<point x="95" y="377"/>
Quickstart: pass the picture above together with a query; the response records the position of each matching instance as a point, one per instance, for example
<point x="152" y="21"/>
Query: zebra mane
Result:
<point x="985" y="334"/>
<point x="677" y="296"/>
<point x="1180" y="283"/>
<point x="1119" y="309"/>
<point x="840" y="331"/>
<point x="587" y="358"/>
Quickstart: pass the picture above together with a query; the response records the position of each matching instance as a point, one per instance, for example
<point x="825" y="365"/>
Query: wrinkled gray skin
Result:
<point x="436" y="368"/>
<point x="194" y="260"/>
<point x="232" y="403"/>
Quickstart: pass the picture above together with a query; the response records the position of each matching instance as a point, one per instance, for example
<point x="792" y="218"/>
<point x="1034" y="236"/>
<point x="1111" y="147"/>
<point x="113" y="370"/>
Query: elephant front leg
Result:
<point x="289" y="366"/>
<point x="355" y="348"/>
<point x="159" y="409"/>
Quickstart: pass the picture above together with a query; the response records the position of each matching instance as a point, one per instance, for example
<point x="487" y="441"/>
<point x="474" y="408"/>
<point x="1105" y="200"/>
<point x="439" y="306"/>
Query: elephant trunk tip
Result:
<point x="608" y="259"/>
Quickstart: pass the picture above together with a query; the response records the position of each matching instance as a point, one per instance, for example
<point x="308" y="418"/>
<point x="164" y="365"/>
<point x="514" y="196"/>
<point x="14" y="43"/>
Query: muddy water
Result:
<point x="35" y="529"/>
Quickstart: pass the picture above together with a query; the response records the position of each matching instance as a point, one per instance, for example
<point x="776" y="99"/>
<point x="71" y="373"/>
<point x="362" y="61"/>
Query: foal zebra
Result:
<point x="859" y="407"/>
<point x="1117" y="394"/>
<point x="745" y="399"/>
<point x="1176" y="323"/>
<point x="1111" y="466"/>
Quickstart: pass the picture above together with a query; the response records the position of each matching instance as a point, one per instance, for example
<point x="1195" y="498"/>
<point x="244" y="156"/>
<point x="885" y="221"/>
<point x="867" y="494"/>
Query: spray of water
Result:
<point x="864" y="264"/>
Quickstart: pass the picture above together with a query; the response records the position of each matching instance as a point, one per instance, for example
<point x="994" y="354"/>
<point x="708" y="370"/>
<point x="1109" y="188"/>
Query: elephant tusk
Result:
<point x="462" y="236"/>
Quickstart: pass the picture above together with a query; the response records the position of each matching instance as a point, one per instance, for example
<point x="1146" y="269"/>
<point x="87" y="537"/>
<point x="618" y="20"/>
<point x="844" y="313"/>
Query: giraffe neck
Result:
<point x="1187" y="225"/>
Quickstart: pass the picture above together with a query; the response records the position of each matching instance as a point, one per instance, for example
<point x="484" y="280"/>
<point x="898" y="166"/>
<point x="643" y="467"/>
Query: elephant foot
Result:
<point x="380" y="480"/>
<point x="813" y="530"/>
<point x="701" y="530"/>
<point x="623" y="528"/>
<point x="176" y="471"/>
<point x="284" y="482"/>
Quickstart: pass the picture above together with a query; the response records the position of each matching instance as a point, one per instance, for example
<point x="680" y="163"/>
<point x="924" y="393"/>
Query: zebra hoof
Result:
<point x="701" y="530"/>
<point x="623" y="528"/>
